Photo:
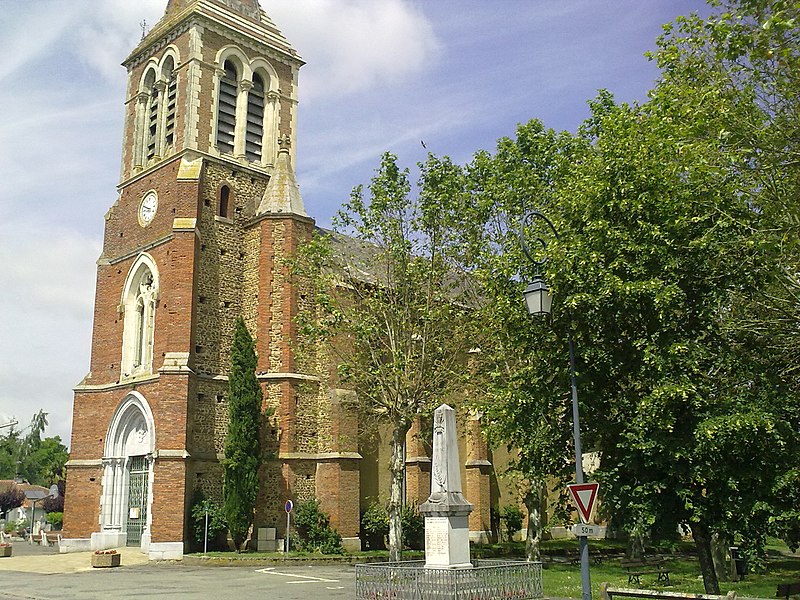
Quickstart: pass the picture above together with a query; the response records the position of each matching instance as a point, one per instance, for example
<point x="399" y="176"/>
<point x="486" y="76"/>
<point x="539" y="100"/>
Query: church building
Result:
<point x="207" y="217"/>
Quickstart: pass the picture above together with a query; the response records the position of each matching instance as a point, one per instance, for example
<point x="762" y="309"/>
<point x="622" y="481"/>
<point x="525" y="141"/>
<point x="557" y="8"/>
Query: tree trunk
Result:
<point x="719" y="553"/>
<point x="533" y="503"/>
<point x="702" y="540"/>
<point x="636" y="541"/>
<point x="397" y="469"/>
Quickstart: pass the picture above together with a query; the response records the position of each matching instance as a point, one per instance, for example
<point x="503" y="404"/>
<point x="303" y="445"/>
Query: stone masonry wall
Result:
<point x="223" y="263"/>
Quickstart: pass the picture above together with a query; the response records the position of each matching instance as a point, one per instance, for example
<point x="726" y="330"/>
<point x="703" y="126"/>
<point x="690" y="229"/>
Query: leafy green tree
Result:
<point x="658" y="247"/>
<point x="43" y="464"/>
<point x="390" y="310"/>
<point x="520" y="371"/>
<point x="242" y="443"/>
<point x="10" y="449"/>
<point x="38" y="460"/>
<point x="737" y="72"/>
<point x="662" y="243"/>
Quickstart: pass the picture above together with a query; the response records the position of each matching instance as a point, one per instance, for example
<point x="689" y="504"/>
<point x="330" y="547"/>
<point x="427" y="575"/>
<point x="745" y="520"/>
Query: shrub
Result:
<point x="375" y="525"/>
<point x="21" y="525"/>
<point x="216" y="521"/>
<point x="56" y="519"/>
<point x="413" y="524"/>
<point x="313" y="529"/>
<point x="512" y="518"/>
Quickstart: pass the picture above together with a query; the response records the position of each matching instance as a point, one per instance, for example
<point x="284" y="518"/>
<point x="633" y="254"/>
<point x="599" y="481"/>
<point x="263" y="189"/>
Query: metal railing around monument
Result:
<point x="486" y="580"/>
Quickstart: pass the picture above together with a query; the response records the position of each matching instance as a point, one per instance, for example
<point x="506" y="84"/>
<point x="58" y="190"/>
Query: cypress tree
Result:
<point x="242" y="444"/>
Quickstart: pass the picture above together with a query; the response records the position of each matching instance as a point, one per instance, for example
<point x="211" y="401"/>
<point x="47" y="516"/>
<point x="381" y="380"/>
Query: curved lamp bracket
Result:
<point x="527" y="221"/>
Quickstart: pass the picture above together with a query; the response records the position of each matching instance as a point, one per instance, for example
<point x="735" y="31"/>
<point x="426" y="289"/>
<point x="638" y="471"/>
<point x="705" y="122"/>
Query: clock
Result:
<point x="147" y="208"/>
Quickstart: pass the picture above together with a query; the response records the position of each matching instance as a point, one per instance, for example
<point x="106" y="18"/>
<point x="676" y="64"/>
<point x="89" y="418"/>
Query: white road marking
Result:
<point x="306" y="578"/>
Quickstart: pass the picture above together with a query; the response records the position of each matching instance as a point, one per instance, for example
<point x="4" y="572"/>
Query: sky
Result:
<point x="381" y="75"/>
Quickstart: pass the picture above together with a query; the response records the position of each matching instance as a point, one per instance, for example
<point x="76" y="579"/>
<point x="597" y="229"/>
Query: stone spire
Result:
<point x="248" y="8"/>
<point x="282" y="194"/>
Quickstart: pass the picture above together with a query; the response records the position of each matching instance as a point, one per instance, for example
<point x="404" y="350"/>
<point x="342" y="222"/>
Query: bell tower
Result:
<point x="207" y="217"/>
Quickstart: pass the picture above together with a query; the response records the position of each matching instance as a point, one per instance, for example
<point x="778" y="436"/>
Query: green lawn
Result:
<point x="564" y="579"/>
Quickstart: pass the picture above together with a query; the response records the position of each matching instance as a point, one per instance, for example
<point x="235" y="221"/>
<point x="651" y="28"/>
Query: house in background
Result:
<point x="34" y="494"/>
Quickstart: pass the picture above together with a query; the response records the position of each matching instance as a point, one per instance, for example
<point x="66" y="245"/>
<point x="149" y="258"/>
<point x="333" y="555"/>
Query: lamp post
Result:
<point x="538" y="301"/>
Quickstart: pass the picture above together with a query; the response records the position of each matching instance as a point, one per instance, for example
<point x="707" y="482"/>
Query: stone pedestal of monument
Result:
<point x="448" y="573"/>
<point x="446" y="511"/>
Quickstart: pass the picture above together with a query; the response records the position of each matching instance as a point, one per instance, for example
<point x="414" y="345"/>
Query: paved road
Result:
<point x="172" y="581"/>
<point x="40" y="573"/>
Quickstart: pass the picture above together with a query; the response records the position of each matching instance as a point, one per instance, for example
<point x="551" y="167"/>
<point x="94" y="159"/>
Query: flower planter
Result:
<point x="100" y="561"/>
<point x="5" y="551"/>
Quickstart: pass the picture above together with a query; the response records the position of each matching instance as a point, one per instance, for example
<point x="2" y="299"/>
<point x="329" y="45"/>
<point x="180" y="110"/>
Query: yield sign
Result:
<point x="584" y="495"/>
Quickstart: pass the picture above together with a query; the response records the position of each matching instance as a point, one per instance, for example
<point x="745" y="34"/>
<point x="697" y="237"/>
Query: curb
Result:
<point x="244" y="561"/>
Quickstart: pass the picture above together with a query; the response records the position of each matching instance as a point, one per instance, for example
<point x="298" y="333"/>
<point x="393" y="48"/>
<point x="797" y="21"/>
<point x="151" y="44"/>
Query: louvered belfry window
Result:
<point x="255" y="120"/>
<point x="152" y="122"/>
<point x="226" y="113"/>
<point x="169" y="122"/>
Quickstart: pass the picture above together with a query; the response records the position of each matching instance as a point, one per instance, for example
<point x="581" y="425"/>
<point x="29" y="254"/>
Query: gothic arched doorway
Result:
<point x="128" y="473"/>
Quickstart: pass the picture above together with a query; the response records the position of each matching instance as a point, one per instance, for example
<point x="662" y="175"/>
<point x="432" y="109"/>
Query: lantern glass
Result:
<point x="537" y="298"/>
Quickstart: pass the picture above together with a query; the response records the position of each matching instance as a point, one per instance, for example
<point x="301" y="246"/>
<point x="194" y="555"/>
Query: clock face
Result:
<point x="147" y="209"/>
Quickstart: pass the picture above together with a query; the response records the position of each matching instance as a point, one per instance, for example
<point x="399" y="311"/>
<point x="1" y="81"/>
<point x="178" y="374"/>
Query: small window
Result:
<point x="224" y="199"/>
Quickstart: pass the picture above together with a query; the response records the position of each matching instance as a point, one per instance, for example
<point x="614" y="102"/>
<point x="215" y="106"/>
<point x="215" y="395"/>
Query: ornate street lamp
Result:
<point x="537" y="297"/>
<point x="539" y="301"/>
<point x="537" y="294"/>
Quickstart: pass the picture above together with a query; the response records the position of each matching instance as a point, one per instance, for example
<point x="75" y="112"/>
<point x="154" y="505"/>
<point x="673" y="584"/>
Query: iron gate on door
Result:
<point x="137" y="499"/>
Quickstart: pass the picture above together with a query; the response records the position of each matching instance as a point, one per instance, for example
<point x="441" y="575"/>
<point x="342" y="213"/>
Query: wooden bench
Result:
<point x="575" y="557"/>
<point x="646" y="566"/>
<point x="787" y="589"/>
<point x="609" y="593"/>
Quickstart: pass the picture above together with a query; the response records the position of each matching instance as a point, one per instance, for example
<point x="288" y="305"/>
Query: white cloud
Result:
<point x="46" y="295"/>
<point x="18" y="45"/>
<point x="67" y="289"/>
<point x="111" y="29"/>
<point x="352" y="45"/>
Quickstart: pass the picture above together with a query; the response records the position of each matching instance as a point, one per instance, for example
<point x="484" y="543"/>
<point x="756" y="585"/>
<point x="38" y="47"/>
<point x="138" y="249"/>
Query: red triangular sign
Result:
<point x="584" y="495"/>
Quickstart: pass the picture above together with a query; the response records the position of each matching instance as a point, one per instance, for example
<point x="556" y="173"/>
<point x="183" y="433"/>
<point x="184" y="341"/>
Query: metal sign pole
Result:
<point x="205" y="540"/>
<point x="288" y="524"/>
<point x="288" y="508"/>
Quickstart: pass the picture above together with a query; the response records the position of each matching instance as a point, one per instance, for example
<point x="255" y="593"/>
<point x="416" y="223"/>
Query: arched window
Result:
<point x="171" y="101"/>
<point x="224" y="198"/>
<point x="255" y="119"/>
<point x="226" y="108"/>
<point x="139" y="303"/>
